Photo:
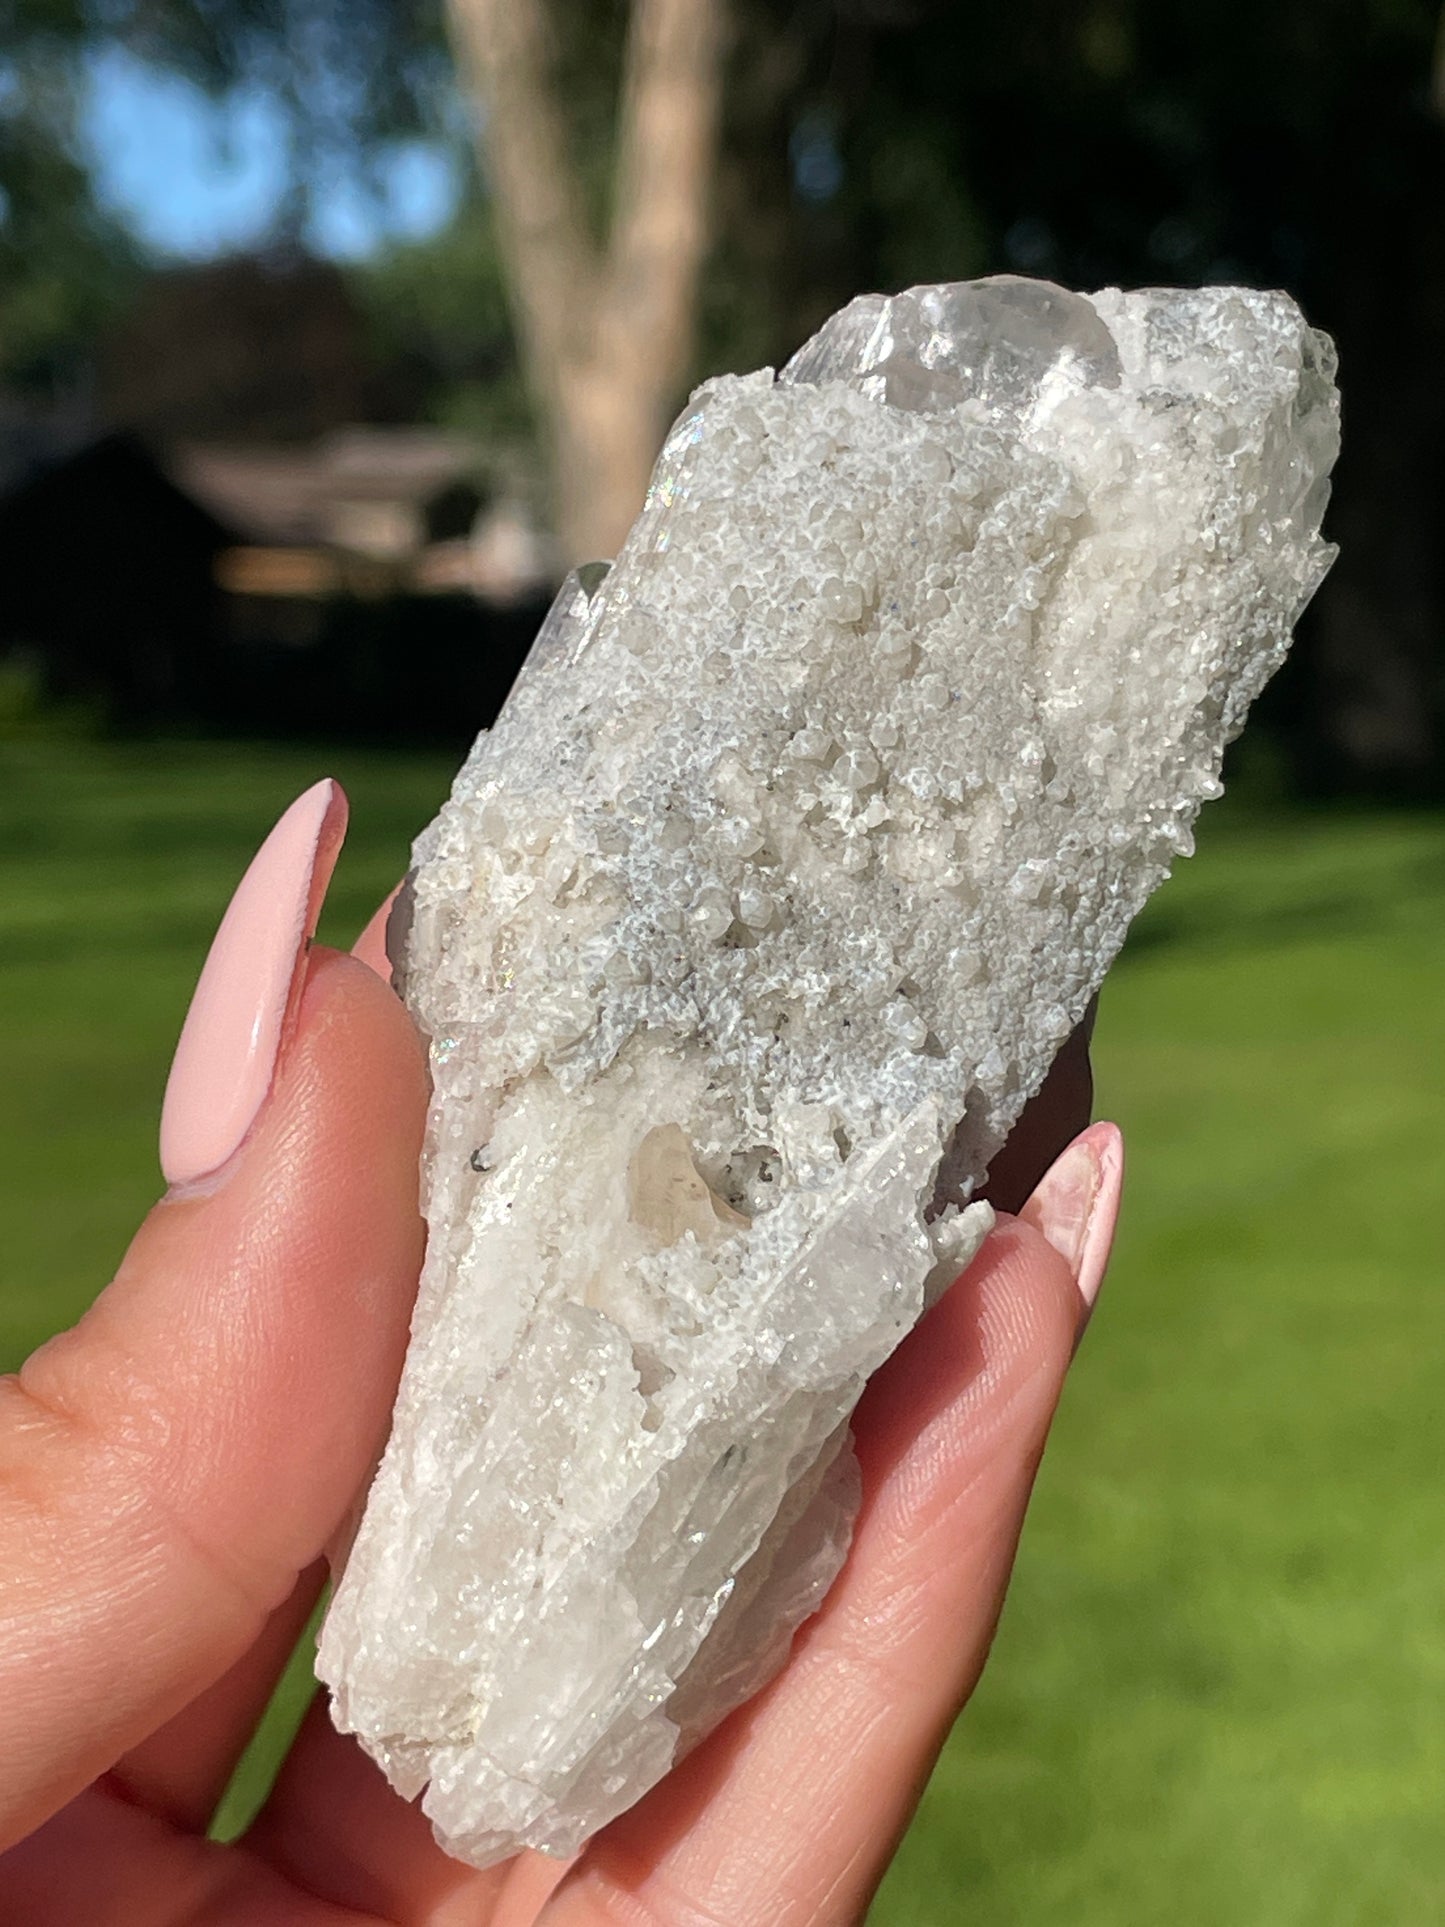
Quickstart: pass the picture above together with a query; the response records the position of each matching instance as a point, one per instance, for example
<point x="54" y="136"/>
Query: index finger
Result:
<point x="170" y="1466"/>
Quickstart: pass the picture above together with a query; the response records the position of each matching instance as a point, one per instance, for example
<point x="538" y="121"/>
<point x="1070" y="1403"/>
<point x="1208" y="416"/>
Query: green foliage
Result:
<point x="346" y="80"/>
<point x="1216" y="1696"/>
<point x="64" y="264"/>
<point x="345" y="77"/>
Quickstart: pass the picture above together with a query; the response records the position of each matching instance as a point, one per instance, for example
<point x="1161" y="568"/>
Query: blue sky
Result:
<point x="193" y="178"/>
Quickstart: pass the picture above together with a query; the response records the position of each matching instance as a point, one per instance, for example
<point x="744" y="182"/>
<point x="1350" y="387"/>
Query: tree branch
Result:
<point x="606" y="333"/>
<point x="553" y="273"/>
<point x="667" y="136"/>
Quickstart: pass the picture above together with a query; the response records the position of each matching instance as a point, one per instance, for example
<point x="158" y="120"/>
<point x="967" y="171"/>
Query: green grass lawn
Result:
<point x="1219" y="1692"/>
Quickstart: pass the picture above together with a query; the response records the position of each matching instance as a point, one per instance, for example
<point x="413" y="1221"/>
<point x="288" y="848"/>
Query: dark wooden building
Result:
<point x="351" y="586"/>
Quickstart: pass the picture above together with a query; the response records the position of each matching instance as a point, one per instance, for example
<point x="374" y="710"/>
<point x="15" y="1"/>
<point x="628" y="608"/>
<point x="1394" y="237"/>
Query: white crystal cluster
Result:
<point x="796" y="853"/>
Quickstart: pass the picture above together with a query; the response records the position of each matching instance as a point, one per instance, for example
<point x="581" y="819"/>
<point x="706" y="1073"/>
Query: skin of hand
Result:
<point x="173" y="1468"/>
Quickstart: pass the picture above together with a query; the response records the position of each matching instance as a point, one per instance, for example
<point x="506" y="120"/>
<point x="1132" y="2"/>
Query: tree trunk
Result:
<point x="604" y="440"/>
<point x="606" y="329"/>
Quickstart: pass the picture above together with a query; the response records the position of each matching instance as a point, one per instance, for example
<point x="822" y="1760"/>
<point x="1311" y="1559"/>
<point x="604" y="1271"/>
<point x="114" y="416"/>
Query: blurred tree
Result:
<point x="64" y="263"/>
<point x="346" y="79"/>
<point x="347" y="82"/>
<point x="605" y="324"/>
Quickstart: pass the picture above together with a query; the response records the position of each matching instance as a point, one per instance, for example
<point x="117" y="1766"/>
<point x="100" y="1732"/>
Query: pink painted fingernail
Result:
<point x="1076" y="1204"/>
<point x="249" y="986"/>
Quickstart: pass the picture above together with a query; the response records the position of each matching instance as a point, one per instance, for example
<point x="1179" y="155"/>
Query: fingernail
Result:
<point x="1076" y="1204"/>
<point x="370" y="946"/>
<point x="237" y="1024"/>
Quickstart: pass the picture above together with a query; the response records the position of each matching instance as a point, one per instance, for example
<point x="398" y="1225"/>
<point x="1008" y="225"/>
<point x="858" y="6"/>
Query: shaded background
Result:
<point x="295" y="436"/>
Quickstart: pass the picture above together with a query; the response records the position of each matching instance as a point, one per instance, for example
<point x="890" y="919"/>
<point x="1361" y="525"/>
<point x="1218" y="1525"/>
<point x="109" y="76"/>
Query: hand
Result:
<point x="172" y="1470"/>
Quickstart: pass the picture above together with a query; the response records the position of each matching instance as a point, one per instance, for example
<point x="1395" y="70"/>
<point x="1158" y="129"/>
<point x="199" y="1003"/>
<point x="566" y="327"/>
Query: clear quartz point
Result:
<point x="563" y="633"/>
<point x="995" y="342"/>
<point x="802" y="841"/>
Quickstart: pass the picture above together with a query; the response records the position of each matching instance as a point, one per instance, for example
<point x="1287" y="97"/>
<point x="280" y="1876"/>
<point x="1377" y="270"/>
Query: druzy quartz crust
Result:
<point x="798" y="849"/>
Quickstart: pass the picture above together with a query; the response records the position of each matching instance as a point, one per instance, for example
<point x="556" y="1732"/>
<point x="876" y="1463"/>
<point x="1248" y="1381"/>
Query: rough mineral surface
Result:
<point x="798" y="849"/>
